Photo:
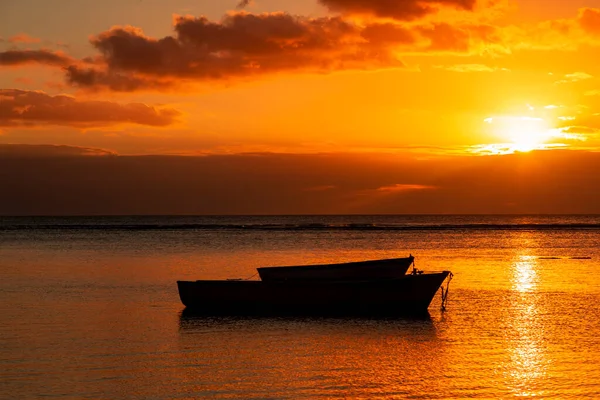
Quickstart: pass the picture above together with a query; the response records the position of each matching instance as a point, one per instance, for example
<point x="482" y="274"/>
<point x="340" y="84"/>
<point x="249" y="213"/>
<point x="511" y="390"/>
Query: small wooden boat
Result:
<point x="359" y="270"/>
<point x="410" y="294"/>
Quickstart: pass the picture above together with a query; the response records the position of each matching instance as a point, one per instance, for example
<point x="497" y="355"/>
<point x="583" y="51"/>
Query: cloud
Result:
<point x="403" y="187"/>
<point x="244" y="3"/>
<point x="463" y="38"/>
<point x="47" y="150"/>
<point x="574" y="134"/>
<point x="582" y="121"/>
<point x="560" y="34"/>
<point x="470" y="68"/>
<point x="23" y="38"/>
<point x="46" y="57"/>
<point x="32" y="108"/>
<point x="400" y="9"/>
<point x="575" y="77"/>
<point x="240" y="45"/>
<point x="244" y="45"/>
<point x="117" y="81"/>
<point x="536" y="182"/>
<point x="388" y="34"/>
<point x="320" y="188"/>
<point x="589" y="20"/>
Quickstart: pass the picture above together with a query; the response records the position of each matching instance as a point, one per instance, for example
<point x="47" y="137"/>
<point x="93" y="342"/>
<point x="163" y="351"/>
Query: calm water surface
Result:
<point x="89" y="309"/>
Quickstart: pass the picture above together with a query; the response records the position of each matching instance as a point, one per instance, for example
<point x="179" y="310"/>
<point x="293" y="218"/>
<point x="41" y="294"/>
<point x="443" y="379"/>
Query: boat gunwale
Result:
<point x="319" y="282"/>
<point x="358" y="264"/>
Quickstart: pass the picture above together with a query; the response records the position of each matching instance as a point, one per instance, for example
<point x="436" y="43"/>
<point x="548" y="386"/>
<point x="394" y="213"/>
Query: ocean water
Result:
<point x="89" y="309"/>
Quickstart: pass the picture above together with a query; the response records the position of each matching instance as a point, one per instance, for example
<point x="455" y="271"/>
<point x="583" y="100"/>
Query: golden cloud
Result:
<point x="34" y="108"/>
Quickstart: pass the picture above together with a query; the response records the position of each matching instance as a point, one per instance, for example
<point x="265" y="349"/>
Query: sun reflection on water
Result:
<point x="525" y="336"/>
<point x="524" y="274"/>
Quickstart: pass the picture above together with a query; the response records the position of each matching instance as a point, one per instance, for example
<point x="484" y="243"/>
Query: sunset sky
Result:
<point x="312" y="106"/>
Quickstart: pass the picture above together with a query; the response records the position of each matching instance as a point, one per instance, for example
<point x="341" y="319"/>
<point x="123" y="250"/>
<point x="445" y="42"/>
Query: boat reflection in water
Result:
<point x="302" y="293"/>
<point x="307" y="357"/>
<point x="418" y="325"/>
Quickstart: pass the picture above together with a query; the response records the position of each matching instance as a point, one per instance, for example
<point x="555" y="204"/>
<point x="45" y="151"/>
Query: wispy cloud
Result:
<point x="243" y="4"/>
<point x="575" y="77"/>
<point x="320" y="188"/>
<point x="470" y="68"/>
<point x="34" y="108"/>
<point x="47" y="150"/>
<point x="46" y="57"/>
<point x="403" y="187"/>
<point x="23" y="38"/>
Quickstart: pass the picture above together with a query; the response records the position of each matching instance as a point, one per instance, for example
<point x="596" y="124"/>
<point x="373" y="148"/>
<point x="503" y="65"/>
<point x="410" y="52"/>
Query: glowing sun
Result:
<point x="523" y="133"/>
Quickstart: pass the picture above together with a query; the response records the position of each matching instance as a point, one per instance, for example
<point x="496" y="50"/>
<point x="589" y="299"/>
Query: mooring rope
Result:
<point x="250" y="277"/>
<point x="445" y="293"/>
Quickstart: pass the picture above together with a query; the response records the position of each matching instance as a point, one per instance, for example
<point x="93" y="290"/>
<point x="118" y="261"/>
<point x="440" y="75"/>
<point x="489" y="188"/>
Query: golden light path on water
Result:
<point x="526" y="341"/>
<point x="524" y="274"/>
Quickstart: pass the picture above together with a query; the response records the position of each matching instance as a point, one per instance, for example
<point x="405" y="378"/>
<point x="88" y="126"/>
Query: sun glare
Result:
<point x="526" y="133"/>
<point x="521" y="133"/>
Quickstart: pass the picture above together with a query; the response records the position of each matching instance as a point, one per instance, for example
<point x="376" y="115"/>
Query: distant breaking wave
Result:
<point x="298" y="227"/>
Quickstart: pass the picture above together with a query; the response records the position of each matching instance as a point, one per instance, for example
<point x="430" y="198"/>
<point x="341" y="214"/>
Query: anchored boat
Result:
<point x="348" y="293"/>
<point x="358" y="270"/>
<point x="409" y="294"/>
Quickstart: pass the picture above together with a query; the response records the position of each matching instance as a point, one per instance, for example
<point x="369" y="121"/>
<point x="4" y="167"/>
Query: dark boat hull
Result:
<point x="410" y="294"/>
<point x="361" y="270"/>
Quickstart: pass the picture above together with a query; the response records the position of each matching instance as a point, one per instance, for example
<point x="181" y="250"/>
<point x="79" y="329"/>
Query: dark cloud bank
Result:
<point x="63" y="182"/>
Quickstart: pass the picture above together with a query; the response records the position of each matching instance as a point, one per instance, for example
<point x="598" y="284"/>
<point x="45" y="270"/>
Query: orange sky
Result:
<point x="442" y="82"/>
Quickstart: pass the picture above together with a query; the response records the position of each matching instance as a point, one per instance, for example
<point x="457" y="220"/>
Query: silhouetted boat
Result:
<point x="409" y="294"/>
<point x="358" y="270"/>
